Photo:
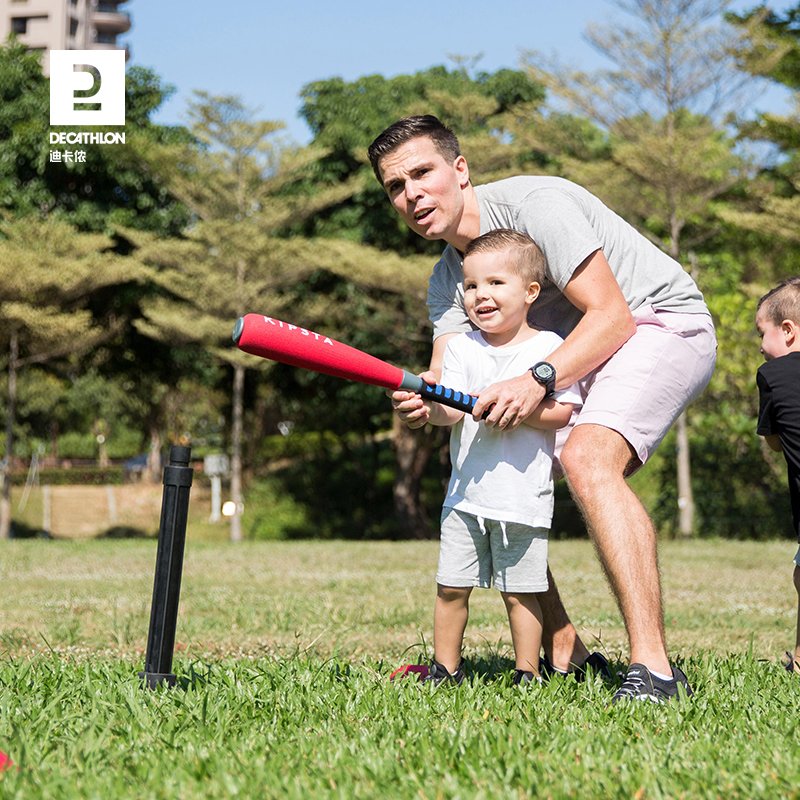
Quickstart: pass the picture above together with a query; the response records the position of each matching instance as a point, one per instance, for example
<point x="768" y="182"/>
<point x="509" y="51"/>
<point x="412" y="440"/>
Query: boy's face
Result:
<point x="424" y="188"/>
<point x="496" y="298"/>
<point x="776" y="340"/>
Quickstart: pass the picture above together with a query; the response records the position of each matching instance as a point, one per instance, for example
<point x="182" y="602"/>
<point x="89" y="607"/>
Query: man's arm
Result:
<point x="606" y="325"/>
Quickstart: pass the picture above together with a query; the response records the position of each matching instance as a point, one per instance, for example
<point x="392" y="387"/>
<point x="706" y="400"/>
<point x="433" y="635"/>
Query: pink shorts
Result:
<point x="640" y="391"/>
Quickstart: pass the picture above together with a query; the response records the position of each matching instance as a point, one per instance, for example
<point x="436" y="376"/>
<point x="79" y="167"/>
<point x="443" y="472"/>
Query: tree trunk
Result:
<point x="152" y="472"/>
<point x="684" y="465"/>
<point x="413" y="450"/>
<point x="685" y="495"/>
<point x="5" y="469"/>
<point x="236" y="452"/>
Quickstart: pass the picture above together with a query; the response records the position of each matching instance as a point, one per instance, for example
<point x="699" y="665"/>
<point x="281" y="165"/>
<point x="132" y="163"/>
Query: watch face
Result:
<point x="544" y="372"/>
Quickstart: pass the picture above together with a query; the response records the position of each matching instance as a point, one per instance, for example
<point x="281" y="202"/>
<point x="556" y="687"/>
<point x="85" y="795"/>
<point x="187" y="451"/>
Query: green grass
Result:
<point x="283" y="656"/>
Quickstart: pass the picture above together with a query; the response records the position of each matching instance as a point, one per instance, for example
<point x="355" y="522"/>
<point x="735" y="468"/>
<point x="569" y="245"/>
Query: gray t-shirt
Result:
<point x="569" y="224"/>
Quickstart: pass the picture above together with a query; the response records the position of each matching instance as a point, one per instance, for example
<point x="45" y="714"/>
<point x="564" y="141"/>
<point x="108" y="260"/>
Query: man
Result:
<point x="637" y="334"/>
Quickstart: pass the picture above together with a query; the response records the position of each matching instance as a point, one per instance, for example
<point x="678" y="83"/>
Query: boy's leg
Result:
<point x="464" y="562"/>
<point x="449" y="623"/>
<point x="796" y="659"/>
<point x="525" y="621"/>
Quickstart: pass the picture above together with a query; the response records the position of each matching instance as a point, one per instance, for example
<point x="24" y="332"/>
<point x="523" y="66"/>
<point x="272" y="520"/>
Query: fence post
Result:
<point x="169" y="566"/>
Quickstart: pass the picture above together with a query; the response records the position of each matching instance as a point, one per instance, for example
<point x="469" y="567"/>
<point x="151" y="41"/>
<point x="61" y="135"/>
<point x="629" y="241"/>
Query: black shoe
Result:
<point x="597" y="663"/>
<point x="438" y="674"/>
<point x="523" y="677"/>
<point x="791" y="665"/>
<point x="641" y="684"/>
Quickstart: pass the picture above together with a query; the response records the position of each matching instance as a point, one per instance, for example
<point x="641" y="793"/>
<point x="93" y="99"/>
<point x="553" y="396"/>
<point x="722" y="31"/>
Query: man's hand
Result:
<point x="410" y="407"/>
<point x="510" y="401"/>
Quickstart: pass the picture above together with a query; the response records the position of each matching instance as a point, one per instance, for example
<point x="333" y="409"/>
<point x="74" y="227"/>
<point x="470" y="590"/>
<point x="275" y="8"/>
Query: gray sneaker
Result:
<point x="437" y="673"/>
<point x="641" y="684"/>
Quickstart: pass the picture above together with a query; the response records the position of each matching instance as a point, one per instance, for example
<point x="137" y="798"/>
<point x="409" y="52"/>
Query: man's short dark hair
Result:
<point x="782" y="302"/>
<point x="525" y="257"/>
<point x="402" y="131"/>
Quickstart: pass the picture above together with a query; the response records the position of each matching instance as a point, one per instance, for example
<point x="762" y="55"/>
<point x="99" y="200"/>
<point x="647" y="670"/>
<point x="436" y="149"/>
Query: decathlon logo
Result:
<point x="87" y="87"/>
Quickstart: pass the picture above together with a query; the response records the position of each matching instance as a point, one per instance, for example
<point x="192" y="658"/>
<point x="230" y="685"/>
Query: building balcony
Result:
<point x="109" y="20"/>
<point x="111" y="46"/>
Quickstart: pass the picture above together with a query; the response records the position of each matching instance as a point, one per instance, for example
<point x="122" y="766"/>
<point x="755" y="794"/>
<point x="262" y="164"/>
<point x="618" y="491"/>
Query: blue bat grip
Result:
<point x="448" y="397"/>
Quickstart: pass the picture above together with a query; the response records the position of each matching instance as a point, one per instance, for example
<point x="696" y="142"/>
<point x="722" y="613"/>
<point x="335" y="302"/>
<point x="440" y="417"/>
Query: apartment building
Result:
<point x="44" y="25"/>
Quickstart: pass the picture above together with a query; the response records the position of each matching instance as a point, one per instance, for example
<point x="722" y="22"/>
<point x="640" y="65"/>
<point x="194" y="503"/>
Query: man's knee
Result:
<point x="592" y="456"/>
<point x="797" y="579"/>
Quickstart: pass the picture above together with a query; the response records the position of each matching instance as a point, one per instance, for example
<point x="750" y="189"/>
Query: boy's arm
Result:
<point x="774" y="442"/>
<point x="549" y="415"/>
<point x="442" y="416"/>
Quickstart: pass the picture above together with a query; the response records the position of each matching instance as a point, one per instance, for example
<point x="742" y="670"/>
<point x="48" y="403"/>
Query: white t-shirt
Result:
<point x="500" y="475"/>
<point x="569" y="224"/>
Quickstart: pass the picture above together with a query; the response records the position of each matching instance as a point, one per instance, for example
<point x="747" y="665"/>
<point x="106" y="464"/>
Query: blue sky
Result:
<point x="266" y="51"/>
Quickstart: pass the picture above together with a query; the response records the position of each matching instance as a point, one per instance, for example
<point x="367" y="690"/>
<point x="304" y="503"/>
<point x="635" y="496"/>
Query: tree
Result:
<point x="771" y="49"/>
<point x="48" y="272"/>
<point x="669" y="159"/>
<point x="111" y="189"/>
<point x="235" y="257"/>
<point x="344" y="118"/>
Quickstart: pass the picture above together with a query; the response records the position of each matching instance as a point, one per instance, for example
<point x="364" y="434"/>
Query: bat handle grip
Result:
<point x="439" y="394"/>
<point x="448" y="397"/>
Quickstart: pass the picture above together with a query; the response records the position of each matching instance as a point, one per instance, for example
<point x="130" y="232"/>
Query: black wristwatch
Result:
<point x="545" y="373"/>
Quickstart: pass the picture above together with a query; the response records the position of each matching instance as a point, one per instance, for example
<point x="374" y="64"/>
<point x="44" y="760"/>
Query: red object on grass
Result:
<point x="5" y="761"/>
<point x="418" y="670"/>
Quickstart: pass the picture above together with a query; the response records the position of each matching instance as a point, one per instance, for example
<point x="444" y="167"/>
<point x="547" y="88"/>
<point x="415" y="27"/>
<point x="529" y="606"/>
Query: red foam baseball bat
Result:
<point x="299" y="347"/>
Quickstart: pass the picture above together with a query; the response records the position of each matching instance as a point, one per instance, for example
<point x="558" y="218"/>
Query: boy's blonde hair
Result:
<point x="525" y="257"/>
<point x="782" y="302"/>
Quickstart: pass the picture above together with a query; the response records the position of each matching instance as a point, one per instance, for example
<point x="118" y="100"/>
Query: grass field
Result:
<point x="284" y="651"/>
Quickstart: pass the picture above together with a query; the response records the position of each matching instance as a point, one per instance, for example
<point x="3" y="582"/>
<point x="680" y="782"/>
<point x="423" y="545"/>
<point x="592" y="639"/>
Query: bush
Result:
<point x="272" y="513"/>
<point x="74" y="476"/>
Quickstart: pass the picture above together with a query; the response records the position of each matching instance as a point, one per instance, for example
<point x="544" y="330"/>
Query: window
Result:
<point x="19" y="24"/>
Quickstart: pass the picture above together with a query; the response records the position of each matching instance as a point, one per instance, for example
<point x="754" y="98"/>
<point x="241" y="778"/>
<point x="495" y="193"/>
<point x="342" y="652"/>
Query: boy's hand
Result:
<point x="410" y="407"/>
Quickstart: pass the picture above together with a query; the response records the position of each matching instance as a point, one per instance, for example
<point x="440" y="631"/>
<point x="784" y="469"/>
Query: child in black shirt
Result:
<point x="778" y="379"/>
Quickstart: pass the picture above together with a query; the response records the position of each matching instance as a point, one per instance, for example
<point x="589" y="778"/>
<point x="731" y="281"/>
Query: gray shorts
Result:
<point x="475" y="551"/>
<point x="797" y="558"/>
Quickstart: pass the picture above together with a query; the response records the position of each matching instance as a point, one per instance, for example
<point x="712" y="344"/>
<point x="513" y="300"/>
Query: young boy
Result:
<point x="499" y="502"/>
<point x="778" y="323"/>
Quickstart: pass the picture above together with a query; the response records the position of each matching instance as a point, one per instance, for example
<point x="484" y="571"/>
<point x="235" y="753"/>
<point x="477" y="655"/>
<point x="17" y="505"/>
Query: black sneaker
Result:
<point x="523" y="677"/>
<point x="790" y="664"/>
<point x="438" y="674"/>
<point x="596" y="662"/>
<point x="641" y="684"/>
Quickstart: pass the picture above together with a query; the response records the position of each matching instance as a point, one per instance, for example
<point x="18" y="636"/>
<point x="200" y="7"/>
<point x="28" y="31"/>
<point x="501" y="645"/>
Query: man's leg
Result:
<point x="560" y="639"/>
<point x="595" y="460"/>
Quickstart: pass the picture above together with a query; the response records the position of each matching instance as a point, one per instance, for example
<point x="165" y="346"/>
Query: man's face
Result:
<point x="424" y="188"/>
<point x="773" y="337"/>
